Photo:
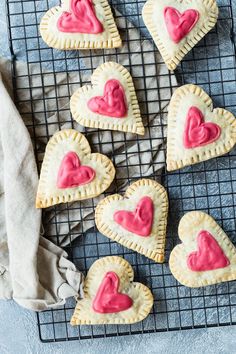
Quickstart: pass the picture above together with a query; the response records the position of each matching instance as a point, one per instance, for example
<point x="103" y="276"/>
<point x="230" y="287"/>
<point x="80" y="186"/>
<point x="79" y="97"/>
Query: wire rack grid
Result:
<point x="44" y="80"/>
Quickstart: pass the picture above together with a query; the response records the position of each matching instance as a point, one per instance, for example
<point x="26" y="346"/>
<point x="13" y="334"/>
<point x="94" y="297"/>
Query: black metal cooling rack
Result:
<point x="209" y="186"/>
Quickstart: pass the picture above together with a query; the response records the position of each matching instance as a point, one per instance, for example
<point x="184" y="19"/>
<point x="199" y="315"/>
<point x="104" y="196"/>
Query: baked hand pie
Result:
<point x="71" y="172"/>
<point x="177" y="26"/>
<point x="196" y="131"/>
<point x="110" y="103"/>
<point x="80" y="24"/>
<point x="206" y="255"/>
<point x="138" y="220"/>
<point x="111" y="296"/>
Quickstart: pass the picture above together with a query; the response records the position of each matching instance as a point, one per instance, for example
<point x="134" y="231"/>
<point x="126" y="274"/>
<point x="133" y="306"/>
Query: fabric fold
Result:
<point x="33" y="271"/>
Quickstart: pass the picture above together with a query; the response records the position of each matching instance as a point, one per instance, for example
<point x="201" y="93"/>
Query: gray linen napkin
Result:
<point x="33" y="271"/>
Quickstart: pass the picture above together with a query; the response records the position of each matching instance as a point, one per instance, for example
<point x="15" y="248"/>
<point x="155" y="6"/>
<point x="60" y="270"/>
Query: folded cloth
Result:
<point x="33" y="271"/>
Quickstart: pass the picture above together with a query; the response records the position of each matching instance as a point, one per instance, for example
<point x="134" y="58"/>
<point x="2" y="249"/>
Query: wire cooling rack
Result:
<point x="209" y="186"/>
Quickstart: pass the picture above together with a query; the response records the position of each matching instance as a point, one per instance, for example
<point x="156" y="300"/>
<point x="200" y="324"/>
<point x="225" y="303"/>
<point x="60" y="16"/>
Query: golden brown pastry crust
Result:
<point x="62" y="142"/>
<point x="140" y="294"/>
<point x="110" y="38"/>
<point x="183" y="98"/>
<point x="153" y="246"/>
<point x="171" y="52"/>
<point x="84" y="116"/>
<point x="190" y="225"/>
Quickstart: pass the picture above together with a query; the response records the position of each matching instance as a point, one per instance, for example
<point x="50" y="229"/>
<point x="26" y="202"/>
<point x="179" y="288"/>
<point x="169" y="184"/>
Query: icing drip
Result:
<point x="209" y="255"/>
<point x="81" y="18"/>
<point x="197" y="133"/>
<point x="112" y="103"/>
<point x="108" y="299"/>
<point x="179" y="25"/>
<point x="140" y="221"/>
<point x="72" y="174"/>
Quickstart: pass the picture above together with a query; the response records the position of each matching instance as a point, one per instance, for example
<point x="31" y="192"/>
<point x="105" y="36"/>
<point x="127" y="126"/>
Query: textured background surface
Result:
<point x="19" y="334"/>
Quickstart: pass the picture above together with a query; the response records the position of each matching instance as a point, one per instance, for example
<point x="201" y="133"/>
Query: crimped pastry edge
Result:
<point x="136" y="128"/>
<point x="44" y="202"/>
<point x="221" y="149"/>
<point x="156" y="255"/>
<point x="128" y="271"/>
<point x="172" y="62"/>
<point x="220" y="236"/>
<point x="55" y="41"/>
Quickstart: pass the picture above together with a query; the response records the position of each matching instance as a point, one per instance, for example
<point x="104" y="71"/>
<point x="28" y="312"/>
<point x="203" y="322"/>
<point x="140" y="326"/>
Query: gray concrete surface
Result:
<point x="19" y="333"/>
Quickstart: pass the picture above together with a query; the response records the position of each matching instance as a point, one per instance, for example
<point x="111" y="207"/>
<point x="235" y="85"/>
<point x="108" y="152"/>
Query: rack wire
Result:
<point x="49" y="76"/>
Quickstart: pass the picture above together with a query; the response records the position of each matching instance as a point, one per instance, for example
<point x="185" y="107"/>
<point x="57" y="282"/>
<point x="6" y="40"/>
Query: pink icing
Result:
<point x="81" y="18"/>
<point x="179" y="25"/>
<point x="140" y="221"/>
<point x="72" y="174"/>
<point x="112" y="103"/>
<point x="209" y="255"/>
<point x="108" y="299"/>
<point x="196" y="132"/>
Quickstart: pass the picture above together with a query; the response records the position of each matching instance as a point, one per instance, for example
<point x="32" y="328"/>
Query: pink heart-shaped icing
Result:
<point x="112" y="103"/>
<point x="81" y="18"/>
<point x="108" y="299"/>
<point x="209" y="255"/>
<point x="72" y="174"/>
<point x="197" y="132"/>
<point x="179" y="25"/>
<point x="140" y="221"/>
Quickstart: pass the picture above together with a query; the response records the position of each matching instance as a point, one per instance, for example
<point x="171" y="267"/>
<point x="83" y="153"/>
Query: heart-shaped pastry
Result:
<point x="110" y="103"/>
<point x="138" y="220"/>
<point x="80" y="24"/>
<point x="177" y="26"/>
<point x="111" y="296"/>
<point x="206" y="255"/>
<point x="70" y="171"/>
<point x="196" y="131"/>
